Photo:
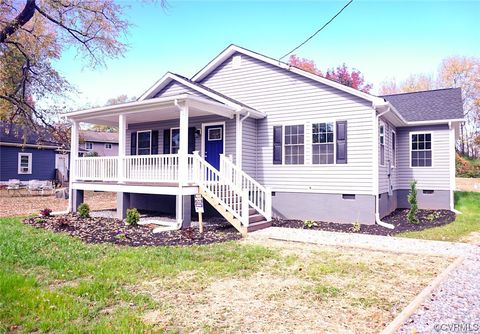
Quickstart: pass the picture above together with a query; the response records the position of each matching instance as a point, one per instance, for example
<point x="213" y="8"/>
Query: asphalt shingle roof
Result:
<point x="99" y="136"/>
<point x="13" y="133"/>
<point x="428" y="105"/>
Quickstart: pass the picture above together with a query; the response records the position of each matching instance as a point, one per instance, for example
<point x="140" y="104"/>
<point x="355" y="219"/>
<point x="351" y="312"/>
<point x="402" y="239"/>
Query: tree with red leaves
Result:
<point x="341" y="74"/>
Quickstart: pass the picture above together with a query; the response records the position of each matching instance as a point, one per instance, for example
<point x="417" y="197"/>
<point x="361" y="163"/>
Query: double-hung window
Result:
<point x="108" y="146"/>
<point x="294" y="144"/>
<point x="323" y="143"/>
<point x="88" y="146"/>
<point x="24" y="163"/>
<point x="144" y="142"/>
<point x="421" y="150"/>
<point x="382" y="143"/>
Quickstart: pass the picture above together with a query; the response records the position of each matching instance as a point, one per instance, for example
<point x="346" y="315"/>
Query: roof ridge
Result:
<point x="420" y="91"/>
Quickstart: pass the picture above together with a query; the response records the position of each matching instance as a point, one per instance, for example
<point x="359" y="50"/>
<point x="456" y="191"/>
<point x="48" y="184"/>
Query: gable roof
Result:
<point x="204" y="90"/>
<point x="15" y="134"/>
<point x="99" y="136"/>
<point x="232" y="49"/>
<point x="430" y="105"/>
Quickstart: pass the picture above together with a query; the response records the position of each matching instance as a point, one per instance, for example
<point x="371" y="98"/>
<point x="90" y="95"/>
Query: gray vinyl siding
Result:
<point x="249" y="147"/>
<point x="288" y="98"/>
<point x="102" y="151"/>
<point x="194" y="121"/>
<point x="176" y="88"/>
<point x="434" y="178"/>
<point x="383" y="170"/>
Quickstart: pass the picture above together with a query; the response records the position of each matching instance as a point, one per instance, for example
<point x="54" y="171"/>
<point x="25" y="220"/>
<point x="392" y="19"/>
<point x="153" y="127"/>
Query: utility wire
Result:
<point x="316" y="32"/>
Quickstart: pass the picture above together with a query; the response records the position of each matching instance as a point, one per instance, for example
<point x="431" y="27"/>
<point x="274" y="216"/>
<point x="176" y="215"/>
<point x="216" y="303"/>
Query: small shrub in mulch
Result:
<point x="398" y="218"/>
<point x="110" y="230"/>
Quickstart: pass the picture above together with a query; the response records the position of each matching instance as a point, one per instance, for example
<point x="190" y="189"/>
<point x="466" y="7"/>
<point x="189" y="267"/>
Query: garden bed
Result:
<point x="398" y="218"/>
<point x="111" y="230"/>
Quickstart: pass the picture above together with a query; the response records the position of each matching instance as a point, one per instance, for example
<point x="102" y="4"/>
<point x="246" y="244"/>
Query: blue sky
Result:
<point x="380" y="38"/>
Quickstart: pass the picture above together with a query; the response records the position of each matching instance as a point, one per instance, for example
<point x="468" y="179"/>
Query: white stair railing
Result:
<point x="259" y="197"/>
<point x="232" y="198"/>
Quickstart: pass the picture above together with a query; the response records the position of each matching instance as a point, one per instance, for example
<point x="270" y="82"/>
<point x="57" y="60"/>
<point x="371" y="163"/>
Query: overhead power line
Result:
<point x="316" y="32"/>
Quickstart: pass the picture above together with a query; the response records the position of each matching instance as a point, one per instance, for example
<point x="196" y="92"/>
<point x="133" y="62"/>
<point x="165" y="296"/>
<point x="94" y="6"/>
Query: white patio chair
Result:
<point x="34" y="187"/>
<point x="13" y="186"/>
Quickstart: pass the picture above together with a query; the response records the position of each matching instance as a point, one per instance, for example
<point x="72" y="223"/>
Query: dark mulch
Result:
<point x="110" y="230"/>
<point x="428" y="219"/>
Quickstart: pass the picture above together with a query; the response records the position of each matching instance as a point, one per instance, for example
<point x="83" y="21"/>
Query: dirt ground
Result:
<point x="24" y="204"/>
<point x="318" y="290"/>
<point x="467" y="184"/>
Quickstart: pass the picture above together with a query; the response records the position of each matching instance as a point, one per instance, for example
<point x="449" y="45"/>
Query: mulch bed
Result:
<point x="110" y="230"/>
<point x="398" y="218"/>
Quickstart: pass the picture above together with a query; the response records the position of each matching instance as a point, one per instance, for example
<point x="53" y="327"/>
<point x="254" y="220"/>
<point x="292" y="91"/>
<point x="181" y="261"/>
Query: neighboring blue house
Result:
<point x="30" y="157"/>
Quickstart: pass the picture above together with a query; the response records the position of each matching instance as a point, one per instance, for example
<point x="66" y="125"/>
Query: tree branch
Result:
<point x="25" y="15"/>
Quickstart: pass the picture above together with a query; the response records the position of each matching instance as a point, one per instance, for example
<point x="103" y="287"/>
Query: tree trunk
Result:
<point x="25" y="15"/>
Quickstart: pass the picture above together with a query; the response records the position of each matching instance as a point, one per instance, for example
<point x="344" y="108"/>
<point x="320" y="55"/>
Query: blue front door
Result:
<point x="214" y="137"/>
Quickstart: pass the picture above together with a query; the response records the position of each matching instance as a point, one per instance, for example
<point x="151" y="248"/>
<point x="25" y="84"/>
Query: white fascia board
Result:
<point x="228" y="52"/>
<point x="436" y="121"/>
<point x="151" y="105"/>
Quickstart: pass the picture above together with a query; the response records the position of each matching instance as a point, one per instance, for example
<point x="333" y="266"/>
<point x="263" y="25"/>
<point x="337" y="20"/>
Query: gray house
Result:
<point x="100" y="143"/>
<point x="260" y="139"/>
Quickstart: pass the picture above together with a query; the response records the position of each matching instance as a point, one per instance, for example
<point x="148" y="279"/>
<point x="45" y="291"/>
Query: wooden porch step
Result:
<point x="258" y="225"/>
<point x="256" y="217"/>
<point x="251" y="211"/>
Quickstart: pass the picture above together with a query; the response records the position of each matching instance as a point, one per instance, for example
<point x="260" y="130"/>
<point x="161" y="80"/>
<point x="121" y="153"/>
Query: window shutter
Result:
<point x="342" y="142"/>
<point x="166" y="141"/>
<point x="191" y="140"/>
<point x="133" y="143"/>
<point x="277" y="145"/>
<point x="154" y="142"/>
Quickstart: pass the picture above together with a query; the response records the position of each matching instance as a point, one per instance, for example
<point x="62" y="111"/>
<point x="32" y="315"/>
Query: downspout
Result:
<point x="239" y="151"/>
<point x="376" y="186"/>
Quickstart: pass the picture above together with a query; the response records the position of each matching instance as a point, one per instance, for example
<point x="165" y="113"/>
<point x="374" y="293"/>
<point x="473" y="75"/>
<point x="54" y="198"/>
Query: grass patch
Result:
<point x="51" y="282"/>
<point x="469" y="221"/>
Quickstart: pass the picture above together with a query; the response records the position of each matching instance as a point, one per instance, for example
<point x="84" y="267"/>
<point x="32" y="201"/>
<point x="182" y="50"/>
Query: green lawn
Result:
<point x="469" y="221"/>
<point x="54" y="283"/>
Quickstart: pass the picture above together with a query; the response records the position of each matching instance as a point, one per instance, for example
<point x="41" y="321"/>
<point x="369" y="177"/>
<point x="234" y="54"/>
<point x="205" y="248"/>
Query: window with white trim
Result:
<point x="323" y="143"/>
<point x="294" y="144"/>
<point x="394" y="149"/>
<point x="421" y="150"/>
<point x="144" y="142"/>
<point x="24" y="163"/>
<point x="88" y="146"/>
<point x="108" y="146"/>
<point x="174" y="140"/>
<point x="381" y="133"/>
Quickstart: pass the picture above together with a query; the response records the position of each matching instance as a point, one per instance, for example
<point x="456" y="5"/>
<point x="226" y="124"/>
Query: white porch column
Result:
<point x="74" y="142"/>
<point x="122" y="135"/>
<point x="183" y="147"/>
<point x="238" y="141"/>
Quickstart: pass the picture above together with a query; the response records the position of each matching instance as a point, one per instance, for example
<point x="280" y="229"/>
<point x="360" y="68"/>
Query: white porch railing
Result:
<point x="96" y="169"/>
<point x="226" y="193"/>
<point x="259" y="197"/>
<point x="136" y="168"/>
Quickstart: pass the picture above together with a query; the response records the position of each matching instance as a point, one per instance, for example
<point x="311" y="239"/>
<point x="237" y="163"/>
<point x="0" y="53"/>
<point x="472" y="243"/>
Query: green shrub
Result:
<point x="133" y="217"/>
<point x="83" y="210"/>
<point x="412" y="199"/>
<point x="309" y="223"/>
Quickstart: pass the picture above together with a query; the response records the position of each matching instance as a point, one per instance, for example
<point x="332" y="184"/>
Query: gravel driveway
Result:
<point x="453" y="304"/>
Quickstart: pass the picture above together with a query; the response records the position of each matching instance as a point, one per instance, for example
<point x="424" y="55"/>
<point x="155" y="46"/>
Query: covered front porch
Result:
<point x="168" y="146"/>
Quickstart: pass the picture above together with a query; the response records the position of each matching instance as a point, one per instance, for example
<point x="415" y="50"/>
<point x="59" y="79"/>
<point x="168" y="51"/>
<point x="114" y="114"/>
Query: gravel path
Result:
<point x="456" y="302"/>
